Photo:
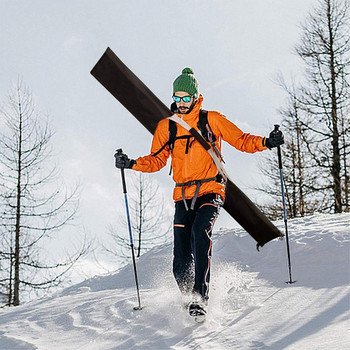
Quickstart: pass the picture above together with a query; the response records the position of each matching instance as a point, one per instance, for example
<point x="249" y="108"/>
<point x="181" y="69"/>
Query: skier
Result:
<point x="200" y="190"/>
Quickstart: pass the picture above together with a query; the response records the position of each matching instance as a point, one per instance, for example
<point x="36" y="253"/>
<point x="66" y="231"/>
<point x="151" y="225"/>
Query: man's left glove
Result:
<point x="275" y="139"/>
<point x="123" y="161"/>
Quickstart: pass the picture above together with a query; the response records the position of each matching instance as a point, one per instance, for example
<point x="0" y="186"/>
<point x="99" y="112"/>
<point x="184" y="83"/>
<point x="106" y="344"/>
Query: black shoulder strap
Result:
<point x="204" y="127"/>
<point x="171" y="138"/>
<point x="172" y="134"/>
<point x="172" y="128"/>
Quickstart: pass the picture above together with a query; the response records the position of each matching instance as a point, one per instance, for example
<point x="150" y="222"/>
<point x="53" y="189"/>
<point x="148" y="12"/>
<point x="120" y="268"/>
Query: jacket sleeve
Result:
<point x="153" y="163"/>
<point x="230" y="133"/>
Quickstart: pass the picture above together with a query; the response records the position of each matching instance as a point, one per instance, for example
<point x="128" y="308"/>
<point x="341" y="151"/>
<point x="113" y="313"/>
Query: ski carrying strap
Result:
<point x="204" y="143"/>
<point x="205" y="131"/>
<point x="216" y="159"/>
<point x="204" y="128"/>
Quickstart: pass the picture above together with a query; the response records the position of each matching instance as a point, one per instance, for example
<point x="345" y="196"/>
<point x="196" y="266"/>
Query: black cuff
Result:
<point x="131" y="164"/>
<point x="268" y="143"/>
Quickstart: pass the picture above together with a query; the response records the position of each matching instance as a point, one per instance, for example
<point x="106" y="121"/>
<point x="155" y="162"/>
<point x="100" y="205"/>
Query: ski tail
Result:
<point x="249" y="216"/>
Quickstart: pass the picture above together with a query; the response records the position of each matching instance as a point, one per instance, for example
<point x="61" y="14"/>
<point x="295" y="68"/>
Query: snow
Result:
<point x="250" y="307"/>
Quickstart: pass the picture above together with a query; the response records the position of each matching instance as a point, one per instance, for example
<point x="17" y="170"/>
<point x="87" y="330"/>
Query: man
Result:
<point x="200" y="190"/>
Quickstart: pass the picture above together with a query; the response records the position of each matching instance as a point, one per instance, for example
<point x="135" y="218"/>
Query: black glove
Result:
<point x="123" y="161"/>
<point x="275" y="139"/>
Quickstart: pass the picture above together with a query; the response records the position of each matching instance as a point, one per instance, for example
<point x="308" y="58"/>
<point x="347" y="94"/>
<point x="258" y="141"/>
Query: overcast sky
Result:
<point x="235" y="48"/>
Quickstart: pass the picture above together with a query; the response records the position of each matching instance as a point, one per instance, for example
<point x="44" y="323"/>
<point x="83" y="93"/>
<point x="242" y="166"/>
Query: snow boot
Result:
<point x="198" y="311"/>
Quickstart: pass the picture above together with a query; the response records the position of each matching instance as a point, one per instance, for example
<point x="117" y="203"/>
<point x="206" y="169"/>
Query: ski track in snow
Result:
<point x="250" y="307"/>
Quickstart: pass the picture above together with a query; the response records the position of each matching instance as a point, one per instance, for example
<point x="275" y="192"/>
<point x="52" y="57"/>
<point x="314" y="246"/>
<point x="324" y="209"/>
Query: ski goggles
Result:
<point x="186" y="99"/>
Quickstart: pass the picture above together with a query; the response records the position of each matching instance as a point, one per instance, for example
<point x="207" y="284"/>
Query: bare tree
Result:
<point x="299" y="174"/>
<point x="345" y="156"/>
<point x="150" y="222"/>
<point x="324" y="100"/>
<point x="34" y="203"/>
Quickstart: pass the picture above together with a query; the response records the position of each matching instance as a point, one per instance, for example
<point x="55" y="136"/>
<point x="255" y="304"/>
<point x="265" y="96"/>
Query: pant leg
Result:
<point x="207" y="209"/>
<point x="183" y="259"/>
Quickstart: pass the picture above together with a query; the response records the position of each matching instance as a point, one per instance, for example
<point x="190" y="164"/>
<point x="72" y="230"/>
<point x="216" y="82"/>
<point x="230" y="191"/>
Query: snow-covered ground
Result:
<point x="251" y="306"/>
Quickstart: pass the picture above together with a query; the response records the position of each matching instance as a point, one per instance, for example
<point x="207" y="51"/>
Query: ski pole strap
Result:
<point x="198" y="184"/>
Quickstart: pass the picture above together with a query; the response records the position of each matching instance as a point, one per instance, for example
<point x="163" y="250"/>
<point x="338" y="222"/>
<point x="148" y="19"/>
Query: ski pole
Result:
<point x="284" y="207"/>
<point x="119" y="151"/>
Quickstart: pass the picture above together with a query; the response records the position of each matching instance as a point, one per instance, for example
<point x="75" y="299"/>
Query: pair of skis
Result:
<point x="140" y="101"/>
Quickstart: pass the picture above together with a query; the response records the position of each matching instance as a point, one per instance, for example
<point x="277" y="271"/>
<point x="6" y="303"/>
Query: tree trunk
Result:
<point x="10" y="293"/>
<point x="300" y="167"/>
<point x="18" y="213"/>
<point x="294" y="211"/>
<point x="335" y="132"/>
<point x="346" y="174"/>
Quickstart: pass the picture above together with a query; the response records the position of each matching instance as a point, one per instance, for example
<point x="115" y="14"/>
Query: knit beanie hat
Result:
<point x="186" y="82"/>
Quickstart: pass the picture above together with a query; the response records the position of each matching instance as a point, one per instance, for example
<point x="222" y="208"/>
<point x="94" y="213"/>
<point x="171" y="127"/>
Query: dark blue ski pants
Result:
<point x="193" y="244"/>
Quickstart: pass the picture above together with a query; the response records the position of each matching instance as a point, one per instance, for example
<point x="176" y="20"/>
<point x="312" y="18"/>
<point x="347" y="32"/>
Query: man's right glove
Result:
<point x="275" y="139"/>
<point x="123" y="161"/>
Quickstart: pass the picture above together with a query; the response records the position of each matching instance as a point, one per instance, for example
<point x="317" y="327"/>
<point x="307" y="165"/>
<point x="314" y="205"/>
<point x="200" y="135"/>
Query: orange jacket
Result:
<point x="197" y="163"/>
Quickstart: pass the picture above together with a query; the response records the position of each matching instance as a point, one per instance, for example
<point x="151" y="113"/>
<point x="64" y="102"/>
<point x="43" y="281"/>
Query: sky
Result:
<point x="236" y="49"/>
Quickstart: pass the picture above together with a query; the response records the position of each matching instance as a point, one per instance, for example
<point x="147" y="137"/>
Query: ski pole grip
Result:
<point x="275" y="130"/>
<point x="120" y="151"/>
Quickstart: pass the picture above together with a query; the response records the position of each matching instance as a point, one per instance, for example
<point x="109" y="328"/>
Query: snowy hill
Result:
<point x="251" y="306"/>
